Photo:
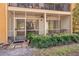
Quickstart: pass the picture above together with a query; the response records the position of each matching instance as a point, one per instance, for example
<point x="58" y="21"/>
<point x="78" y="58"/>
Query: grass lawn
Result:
<point x="70" y="50"/>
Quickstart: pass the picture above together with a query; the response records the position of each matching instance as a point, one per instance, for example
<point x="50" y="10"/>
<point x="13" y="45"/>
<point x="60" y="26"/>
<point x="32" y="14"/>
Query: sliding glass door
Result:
<point x="20" y="29"/>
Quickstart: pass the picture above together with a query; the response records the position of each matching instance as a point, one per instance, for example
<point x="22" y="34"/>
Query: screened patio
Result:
<point x="22" y="21"/>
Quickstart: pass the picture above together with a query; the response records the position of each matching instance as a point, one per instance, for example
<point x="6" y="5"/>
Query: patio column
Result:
<point x="45" y="24"/>
<point x="14" y="24"/>
<point x="71" y="20"/>
<point x="25" y="23"/>
<point x="59" y="23"/>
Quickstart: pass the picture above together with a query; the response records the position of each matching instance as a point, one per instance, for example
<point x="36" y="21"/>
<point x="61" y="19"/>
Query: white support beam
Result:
<point x="71" y="20"/>
<point x="14" y="24"/>
<point x="38" y="10"/>
<point x="25" y="23"/>
<point x="45" y="24"/>
<point x="59" y="22"/>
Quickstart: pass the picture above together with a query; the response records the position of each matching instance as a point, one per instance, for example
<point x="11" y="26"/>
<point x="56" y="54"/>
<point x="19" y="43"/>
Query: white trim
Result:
<point x="59" y="23"/>
<point x="20" y="18"/>
<point x="71" y="21"/>
<point x="25" y="24"/>
<point x="6" y="9"/>
<point x="45" y="24"/>
<point x="41" y="11"/>
<point x="34" y="18"/>
<point x="15" y="18"/>
<point x="14" y="24"/>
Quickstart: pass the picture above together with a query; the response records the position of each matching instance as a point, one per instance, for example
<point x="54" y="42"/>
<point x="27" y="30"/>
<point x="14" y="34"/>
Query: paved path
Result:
<point x="16" y="52"/>
<point x="24" y="52"/>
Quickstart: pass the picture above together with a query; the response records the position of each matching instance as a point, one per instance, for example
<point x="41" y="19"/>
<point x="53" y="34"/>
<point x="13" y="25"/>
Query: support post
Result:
<point x="59" y="23"/>
<point x="71" y="21"/>
<point x="14" y="23"/>
<point x="25" y="24"/>
<point x="45" y="24"/>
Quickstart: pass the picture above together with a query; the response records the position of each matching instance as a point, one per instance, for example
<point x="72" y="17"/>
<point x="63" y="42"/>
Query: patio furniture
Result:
<point x="5" y="46"/>
<point x="1" y="45"/>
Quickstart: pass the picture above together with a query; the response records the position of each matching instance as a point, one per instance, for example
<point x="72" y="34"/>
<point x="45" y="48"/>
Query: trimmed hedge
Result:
<point x="41" y="41"/>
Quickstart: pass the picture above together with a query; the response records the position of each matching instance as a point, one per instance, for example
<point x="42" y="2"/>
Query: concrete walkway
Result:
<point x="16" y="52"/>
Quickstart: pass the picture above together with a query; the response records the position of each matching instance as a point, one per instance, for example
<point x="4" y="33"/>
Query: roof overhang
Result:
<point x="38" y="10"/>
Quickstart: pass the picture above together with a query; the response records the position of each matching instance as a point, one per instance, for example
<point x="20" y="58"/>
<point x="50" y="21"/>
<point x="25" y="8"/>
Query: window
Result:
<point x="56" y="24"/>
<point x="20" y="23"/>
<point x="49" y="6"/>
<point x="13" y="4"/>
<point x="62" y="7"/>
<point x="31" y="25"/>
<point x="53" y="24"/>
<point x="57" y="7"/>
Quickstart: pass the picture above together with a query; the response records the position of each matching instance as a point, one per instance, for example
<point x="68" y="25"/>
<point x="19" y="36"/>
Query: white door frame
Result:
<point x="15" y="18"/>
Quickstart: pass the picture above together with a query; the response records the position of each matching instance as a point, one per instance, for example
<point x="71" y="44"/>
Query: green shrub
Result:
<point x="56" y="40"/>
<point x="30" y="35"/>
<point x="76" y="33"/>
<point x="41" y="41"/>
<point x="75" y="38"/>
